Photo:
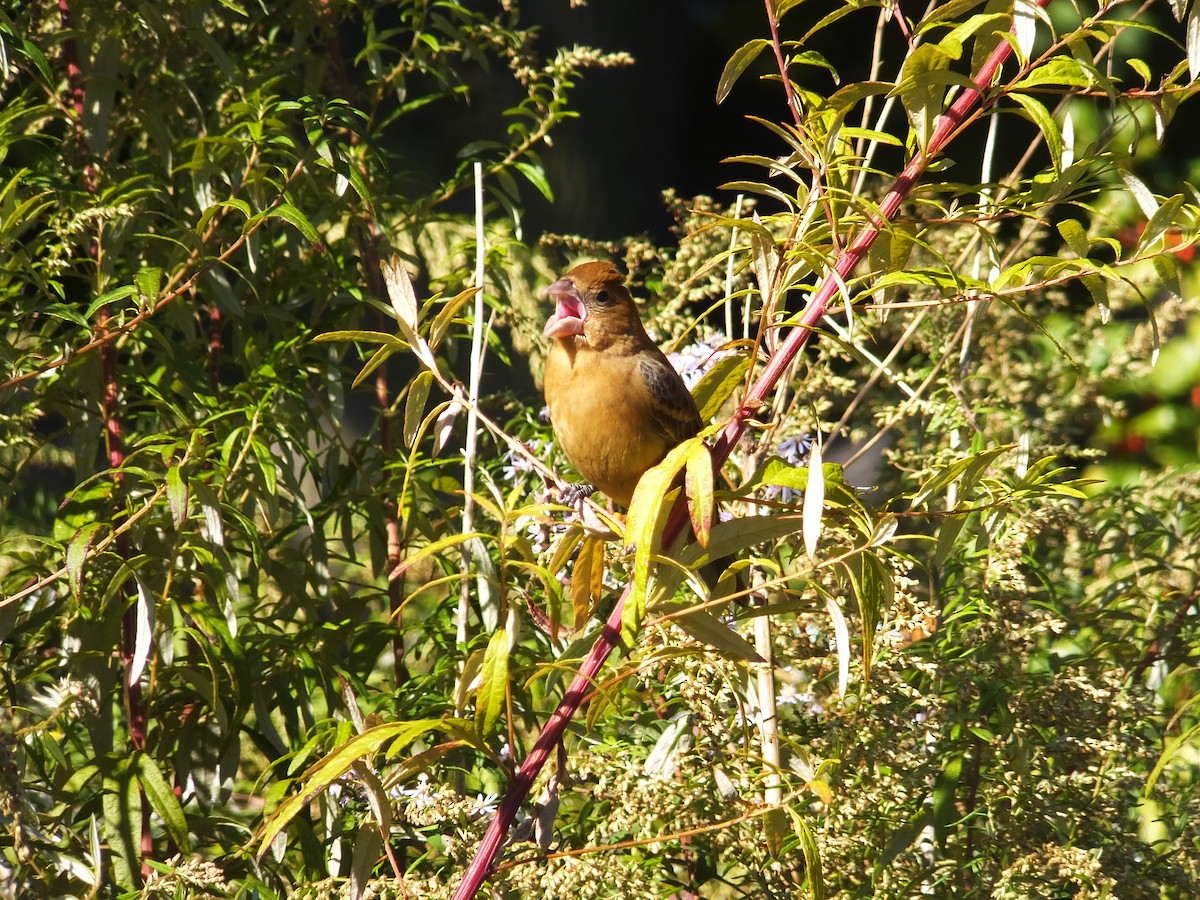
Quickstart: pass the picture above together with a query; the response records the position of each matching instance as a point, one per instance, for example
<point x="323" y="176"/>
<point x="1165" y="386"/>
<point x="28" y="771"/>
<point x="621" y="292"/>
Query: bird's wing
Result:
<point x="672" y="408"/>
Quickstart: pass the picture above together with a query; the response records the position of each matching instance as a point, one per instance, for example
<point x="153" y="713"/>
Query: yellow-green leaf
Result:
<point x="493" y="682"/>
<point x="587" y="580"/>
<point x="698" y="480"/>
<point x="717" y="385"/>
<point x="414" y="405"/>
<point x="737" y="64"/>
<point x="643" y="531"/>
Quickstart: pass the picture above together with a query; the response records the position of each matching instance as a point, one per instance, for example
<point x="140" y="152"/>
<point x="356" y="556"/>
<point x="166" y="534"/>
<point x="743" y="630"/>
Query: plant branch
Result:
<point x="947" y="126"/>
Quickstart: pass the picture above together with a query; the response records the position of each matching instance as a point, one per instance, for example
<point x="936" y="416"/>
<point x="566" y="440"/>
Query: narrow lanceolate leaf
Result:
<point x="210" y="507"/>
<point x="400" y="292"/>
<point x="163" y="801"/>
<point x="587" y="579"/>
<point x="77" y="552"/>
<point x="1164" y="218"/>
<point x="1098" y="288"/>
<point x="148" y="281"/>
<point x="1024" y="26"/>
<point x="874" y="590"/>
<point x="708" y="628"/>
<point x="737" y="64"/>
<point x="414" y="405"/>
<point x="814" y="500"/>
<point x="643" y="531"/>
<point x="493" y="682"/>
<point x="445" y="317"/>
<point x="143" y="632"/>
<point x="1193" y="42"/>
<point x="812" y="856"/>
<point x="337" y="762"/>
<point x="698" y="479"/>
<point x="444" y="426"/>
<point x="1068" y="139"/>
<point x="297" y="219"/>
<point x="841" y="636"/>
<point x="177" y="496"/>
<point x="432" y="549"/>
<point x="365" y="337"/>
<point x="1046" y="125"/>
<point x="717" y="385"/>
<point x="1141" y="193"/>
<point x="922" y="88"/>
<point x="368" y="843"/>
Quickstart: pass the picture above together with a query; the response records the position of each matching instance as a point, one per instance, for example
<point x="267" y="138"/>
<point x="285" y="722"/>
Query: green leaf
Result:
<point x="812" y="856"/>
<point x="875" y="591"/>
<point x="1046" y="125"/>
<point x="337" y="762"/>
<point x="1098" y="288"/>
<point x="537" y="177"/>
<point x="77" y="551"/>
<point x="643" y="531"/>
<point x="814" y="501"/>
<point x="432" y="549"/>
<point x="493" y="683"/>
<point x="266" y="465"/>
<point x="377" y="359"/>
<point x="163" y="801"/>
<point x="109" y="297"/>
<point x="706" y="627"/>
<point x="366" y="337"/>
<point x="290" y="214"/>
<point x="1165" y="217"/>
<point x="737" y="64"/>
<point x="717" y="385"/>
<point x="948" y="534"/>
<point x="922" y="89"/>
<point x="966" y="471"/>
<point x="148" y="282"/>
<point x="445" y="317"/>
<point x="698" y="482"/>
<point x="1075" y="236"/>
<point x="945" y="796"/>
<point x="1064" y="71"/>
<point x="414" y="405"/>
<point x="587" y="579"/>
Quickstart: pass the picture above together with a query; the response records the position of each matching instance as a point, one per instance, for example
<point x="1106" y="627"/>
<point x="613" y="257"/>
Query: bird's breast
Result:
<point x="602" y="416"/>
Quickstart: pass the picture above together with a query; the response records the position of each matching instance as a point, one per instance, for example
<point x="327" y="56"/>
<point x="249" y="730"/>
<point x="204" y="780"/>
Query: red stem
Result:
<point x="948" y="125"/>
<point x="782" y="63"/>
<point x="114" y="439"/>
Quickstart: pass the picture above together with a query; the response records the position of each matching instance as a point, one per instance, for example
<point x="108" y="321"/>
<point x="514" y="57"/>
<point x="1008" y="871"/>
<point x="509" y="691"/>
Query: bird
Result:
<point x="617" y="405"/>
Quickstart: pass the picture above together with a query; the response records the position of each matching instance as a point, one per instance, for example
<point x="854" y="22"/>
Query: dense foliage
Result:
<point x="286" y="589"/>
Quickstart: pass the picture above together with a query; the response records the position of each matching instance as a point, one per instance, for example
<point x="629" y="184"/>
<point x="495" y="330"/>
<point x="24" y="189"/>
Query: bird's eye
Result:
<point x="601" y="297"/>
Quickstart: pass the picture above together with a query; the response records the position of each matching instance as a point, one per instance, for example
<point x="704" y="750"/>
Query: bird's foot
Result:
<point x="573" y="493"/>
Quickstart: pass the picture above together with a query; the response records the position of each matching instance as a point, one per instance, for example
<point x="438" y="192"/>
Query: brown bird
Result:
<point x="617" y="405"/>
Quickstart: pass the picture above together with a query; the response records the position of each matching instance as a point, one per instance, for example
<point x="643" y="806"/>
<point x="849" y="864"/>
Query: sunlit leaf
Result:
<point x="414" y="405"/>
<point x="814" y="500"/>
<point x="737" y="64"/>
<point x="163" y="801"/>
<point x="492" y="695"/>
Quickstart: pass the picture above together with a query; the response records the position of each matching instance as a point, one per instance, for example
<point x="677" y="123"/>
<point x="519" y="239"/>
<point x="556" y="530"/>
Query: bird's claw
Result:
<point x="573" y="493"/>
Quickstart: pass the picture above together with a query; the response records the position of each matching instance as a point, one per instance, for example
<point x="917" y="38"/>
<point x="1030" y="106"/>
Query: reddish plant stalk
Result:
<point x="114" y="439"/>
<point x="948" y="125"/>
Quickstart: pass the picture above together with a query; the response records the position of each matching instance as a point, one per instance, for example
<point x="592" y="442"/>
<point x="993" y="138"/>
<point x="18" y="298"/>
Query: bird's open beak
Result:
<point x="569" y="311"/>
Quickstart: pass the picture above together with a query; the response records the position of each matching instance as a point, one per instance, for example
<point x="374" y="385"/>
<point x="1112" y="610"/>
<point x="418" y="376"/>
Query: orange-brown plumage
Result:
<point x="616" y="403"/>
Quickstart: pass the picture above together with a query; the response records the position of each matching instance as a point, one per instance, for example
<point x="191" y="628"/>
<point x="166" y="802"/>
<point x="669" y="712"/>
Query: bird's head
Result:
<point x="591" y="301"/>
